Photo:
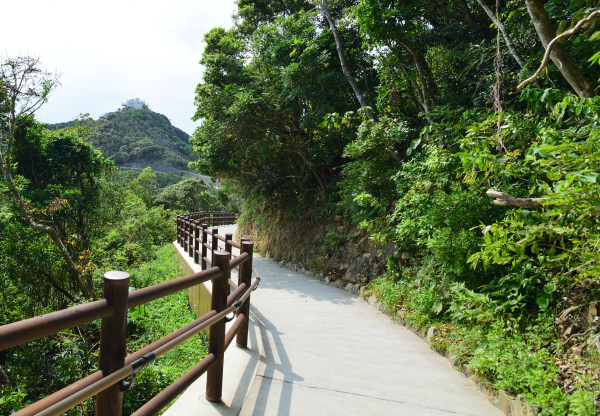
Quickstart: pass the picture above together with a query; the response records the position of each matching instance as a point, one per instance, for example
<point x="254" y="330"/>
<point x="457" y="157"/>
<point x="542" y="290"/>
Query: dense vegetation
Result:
<point x="398" y="117"/>
<point x="68" y="215"/>
<point x="139" y="138"/>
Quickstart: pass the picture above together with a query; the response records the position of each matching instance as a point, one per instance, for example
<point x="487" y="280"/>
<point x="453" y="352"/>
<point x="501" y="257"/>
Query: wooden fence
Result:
<point x="108" y="383"/>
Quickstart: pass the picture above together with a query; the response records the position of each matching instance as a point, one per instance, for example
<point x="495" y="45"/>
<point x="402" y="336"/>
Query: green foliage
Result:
<point x="263" y="100"/>
<point x="134" y="234"/>
<point x="144" y="186"/>
<point x="517" y="360"/>
<point x="560" y="162"/>
<point x="158" y="319"/>
<point x="29" y="271"/>
<point x="62" y="173"/>
<point x="368" y="187"/>
<point x="57" y="176"/>
<point x="415" y="178"/>
<point x="189" y="195"/>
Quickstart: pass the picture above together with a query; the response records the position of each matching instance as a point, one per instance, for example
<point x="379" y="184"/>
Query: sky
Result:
<point x="112" y="50"/>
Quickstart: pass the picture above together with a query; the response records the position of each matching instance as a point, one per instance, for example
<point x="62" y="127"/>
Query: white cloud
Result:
<point x="113" y="50"/>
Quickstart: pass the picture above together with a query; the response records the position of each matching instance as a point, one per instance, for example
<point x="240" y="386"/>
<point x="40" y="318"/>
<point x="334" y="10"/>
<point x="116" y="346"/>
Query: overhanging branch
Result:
<point x="553" y="43"/>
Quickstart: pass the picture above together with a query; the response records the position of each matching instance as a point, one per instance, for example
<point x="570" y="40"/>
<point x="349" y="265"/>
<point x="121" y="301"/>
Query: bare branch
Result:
<point x="553" y="43"/>
<point x="503" y="199"/>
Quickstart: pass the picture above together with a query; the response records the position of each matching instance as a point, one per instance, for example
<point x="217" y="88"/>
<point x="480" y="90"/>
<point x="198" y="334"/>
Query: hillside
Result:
<point x="140" y="138"/>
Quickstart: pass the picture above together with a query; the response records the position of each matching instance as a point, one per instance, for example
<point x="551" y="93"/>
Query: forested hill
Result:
<point x="140" y="137"/>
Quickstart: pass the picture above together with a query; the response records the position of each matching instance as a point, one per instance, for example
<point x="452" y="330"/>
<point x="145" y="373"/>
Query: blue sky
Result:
<point x="109" y="51"/>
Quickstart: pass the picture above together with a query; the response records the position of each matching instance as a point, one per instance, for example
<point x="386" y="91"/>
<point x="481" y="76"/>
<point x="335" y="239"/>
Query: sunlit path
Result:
<point x="318" y="350"/>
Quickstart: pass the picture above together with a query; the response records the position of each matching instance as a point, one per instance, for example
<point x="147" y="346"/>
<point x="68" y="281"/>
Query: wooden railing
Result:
<point x="108" y="383"/>
<point x="212" y="218"/>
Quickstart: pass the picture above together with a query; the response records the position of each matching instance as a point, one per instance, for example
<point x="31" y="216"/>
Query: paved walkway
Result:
<point x="318" y="350"/>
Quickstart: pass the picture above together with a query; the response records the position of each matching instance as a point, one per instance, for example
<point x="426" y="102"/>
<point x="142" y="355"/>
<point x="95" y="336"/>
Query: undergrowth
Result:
<point x="73" y="354"/>
<point x="522" y="356"/>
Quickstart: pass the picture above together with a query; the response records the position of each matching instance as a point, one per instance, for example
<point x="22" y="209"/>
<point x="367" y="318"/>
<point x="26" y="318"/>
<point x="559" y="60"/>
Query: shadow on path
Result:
<point x="275" y="364"/>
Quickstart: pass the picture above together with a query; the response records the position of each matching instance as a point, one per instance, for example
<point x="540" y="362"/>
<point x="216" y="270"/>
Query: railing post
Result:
<point x="197" y="239"/>
<point x="179" y="229"/>
<point x="214" y="246"/>
<point x="112" y="341"/>
<point x="190" y="249"/>
<point x="184" y="231"/>
<point x="245" y="276"/>
<point x="216" y="338"/>
<point x="228" y="239"/>
<point x="204" y="249"/>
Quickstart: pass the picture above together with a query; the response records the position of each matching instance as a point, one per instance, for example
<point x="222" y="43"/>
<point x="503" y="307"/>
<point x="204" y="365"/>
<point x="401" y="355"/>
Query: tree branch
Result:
<point x="511" y="47"/>
<point x="552" y="43"/>
<point x="561" y="58"/>
<point x="344" y="64"/>
<point x="503" y="199"/>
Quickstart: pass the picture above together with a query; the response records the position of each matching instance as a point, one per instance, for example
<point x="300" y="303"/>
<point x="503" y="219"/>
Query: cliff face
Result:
<point x="336" y="254"/>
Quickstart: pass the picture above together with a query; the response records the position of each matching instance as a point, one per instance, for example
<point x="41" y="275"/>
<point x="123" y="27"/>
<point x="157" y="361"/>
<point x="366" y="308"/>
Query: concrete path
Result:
<point x="318" y="350"/>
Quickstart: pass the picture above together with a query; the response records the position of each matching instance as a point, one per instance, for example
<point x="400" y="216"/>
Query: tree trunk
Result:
<point x="317" y="175"/>
<point x="3" y="377"/>
<point x="426" y="85"/>
<point x="345" y="68"/>
<point x="561" y="58"/>
<point x="511" y="47"/>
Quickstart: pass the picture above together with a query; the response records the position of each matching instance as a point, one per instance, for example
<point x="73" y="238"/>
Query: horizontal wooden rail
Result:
<point x="235" y="295"/>
<point x="234" y="264"/>
<point x="234" y="329"/>
<point x="162" y="399"/>
<point x="158" y="349"/>
<point x="147" y="294"/>
<point x="28" y="330"/>
<point x="21" y="332"/>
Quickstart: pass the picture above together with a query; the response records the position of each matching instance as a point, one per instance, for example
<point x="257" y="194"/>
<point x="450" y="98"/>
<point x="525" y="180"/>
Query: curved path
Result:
<point x="318" y="350"/>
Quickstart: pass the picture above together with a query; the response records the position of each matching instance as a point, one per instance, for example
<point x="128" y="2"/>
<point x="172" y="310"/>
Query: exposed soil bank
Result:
<point x="337" y="254"/>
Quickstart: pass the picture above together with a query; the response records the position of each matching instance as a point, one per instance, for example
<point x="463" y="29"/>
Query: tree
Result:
<point x="263" y="101"/>
<point x="26" y="89"/>
<point x="189" y="195"/>
<point x="144" y="186"/>
<point x="502" y="28"/>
